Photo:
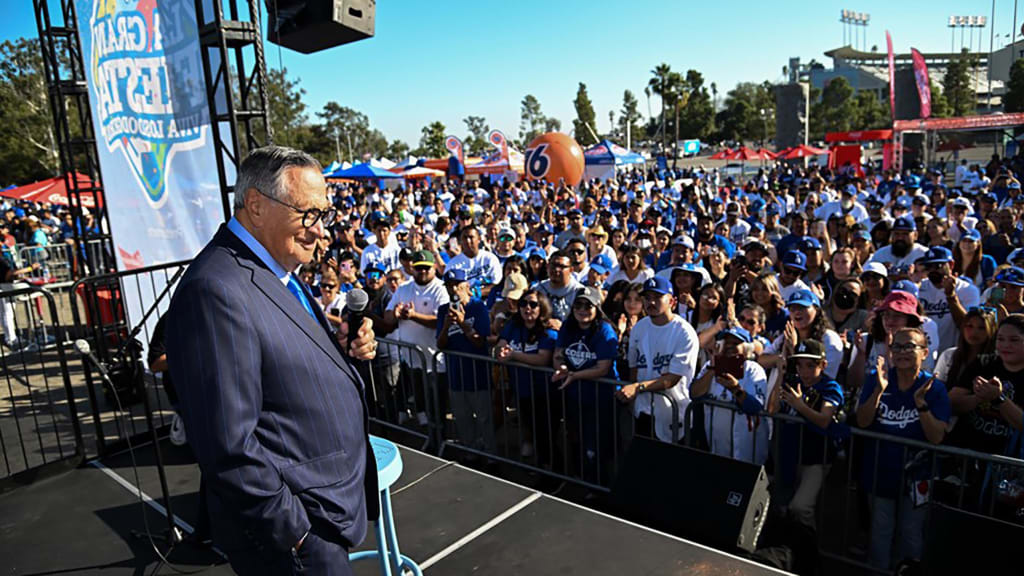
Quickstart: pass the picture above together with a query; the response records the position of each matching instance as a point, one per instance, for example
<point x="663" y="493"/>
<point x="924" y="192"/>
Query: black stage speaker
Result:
<point x="709" y="499"/>
<point x="960" y="542"/>
<point x="791" y="101"/>
<point x="312" y="25"/>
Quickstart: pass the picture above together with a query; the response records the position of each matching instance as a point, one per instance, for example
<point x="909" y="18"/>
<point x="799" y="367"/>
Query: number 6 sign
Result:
<point x="554" y="156"/>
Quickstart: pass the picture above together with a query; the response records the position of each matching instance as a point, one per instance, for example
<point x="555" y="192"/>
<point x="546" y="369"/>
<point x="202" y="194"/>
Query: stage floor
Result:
<point x="451" y="519"/>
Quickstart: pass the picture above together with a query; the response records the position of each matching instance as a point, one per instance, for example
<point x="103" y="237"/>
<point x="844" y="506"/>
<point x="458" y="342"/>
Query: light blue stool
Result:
<point x="389" y="468"/>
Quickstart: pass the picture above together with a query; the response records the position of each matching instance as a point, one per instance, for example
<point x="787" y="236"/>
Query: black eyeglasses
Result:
<point x="909" y="347"/>
<point x="327" y="286"/>
<point x="529" y="303"/>
<point x="311" y="216"/>
<point x="576" y="252"/>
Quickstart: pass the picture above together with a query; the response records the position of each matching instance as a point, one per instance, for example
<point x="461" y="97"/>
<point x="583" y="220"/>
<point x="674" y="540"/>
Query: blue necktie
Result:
<point x="296" y="289"/>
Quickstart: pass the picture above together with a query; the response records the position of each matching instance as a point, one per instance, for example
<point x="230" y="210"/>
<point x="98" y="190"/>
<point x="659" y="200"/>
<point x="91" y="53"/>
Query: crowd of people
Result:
<point x="891" y="302"/>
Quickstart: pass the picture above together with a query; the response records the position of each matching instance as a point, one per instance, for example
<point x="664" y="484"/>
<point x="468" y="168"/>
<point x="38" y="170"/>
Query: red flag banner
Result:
<point x="892" y="76"/>
<point x="498" y="140"/>
<point x="454" y="145"/>
<point x="923" y="89"/>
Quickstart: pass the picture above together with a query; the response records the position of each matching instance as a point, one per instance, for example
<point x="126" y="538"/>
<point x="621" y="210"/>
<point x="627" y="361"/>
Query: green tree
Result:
<point x="432" y="141"/>
<point x="659" y="84"/>
<point x="531" y="119"/>
<point x="629" y="116"/>
<point x="940" y="105"/>
<point x="476" y="143"/>
<point x="551" y="125"/>
<point x="957" y="85"/>
<point x="398" y="150"/>
<point x="355" y="137"/>
<point x="28" y="149"/>
<point x="697" y="119"/>
<point x="741" y="117"/>
<point x="872" y="113"/>
<point x="286" y="110"/>
<point x="1013" y="100"/>
<point x="837" y="108"/>
<point x="584" y="124"/>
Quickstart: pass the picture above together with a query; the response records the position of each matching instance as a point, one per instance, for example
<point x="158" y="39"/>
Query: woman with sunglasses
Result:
<point x="330" y="300"/>
<point x="585" y="351"/>
<point x="525" y="339"/>
<point x="901" y="399"/>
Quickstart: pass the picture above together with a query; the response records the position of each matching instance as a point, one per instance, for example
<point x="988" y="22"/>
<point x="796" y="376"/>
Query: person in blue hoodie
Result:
<point x="899" y="399"/>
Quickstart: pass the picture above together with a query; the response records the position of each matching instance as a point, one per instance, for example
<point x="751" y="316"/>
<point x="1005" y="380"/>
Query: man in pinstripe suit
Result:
<point x="272" y="407"/>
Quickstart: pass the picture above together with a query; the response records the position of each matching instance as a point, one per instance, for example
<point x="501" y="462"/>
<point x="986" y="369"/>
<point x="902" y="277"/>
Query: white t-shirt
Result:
<point x="885" y="256"/>
<point x="656" y="350"/>
<point x="484" y="268"/>
<point x="388" y="256"/>
<point x="933" y="299"/>
<point x="644" y="275"/>
<point x="740" y="437"/>
<point x="425" y="299"/>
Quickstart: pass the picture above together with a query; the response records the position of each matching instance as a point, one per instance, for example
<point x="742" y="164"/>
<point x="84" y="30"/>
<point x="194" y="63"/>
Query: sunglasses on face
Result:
<point x="422" y="268"/>
<point x="532" y="304"/>
<point x="908" y="347"/>
<point x="374" y="276"/>
<point x="582" y="305"/>
<point x="327" y="286"/>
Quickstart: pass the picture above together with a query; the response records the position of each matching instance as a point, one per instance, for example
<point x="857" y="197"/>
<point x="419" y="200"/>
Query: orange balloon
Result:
<point x="554" y="156"/>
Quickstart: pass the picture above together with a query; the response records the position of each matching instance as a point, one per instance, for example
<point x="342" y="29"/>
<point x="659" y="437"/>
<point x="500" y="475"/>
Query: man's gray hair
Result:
<point x="263" y="167"/>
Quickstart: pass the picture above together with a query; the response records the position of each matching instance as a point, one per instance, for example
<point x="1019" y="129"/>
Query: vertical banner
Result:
<point x="892" y="76"/>
<point x="149" y="107"/>
<point x="454" y="145"/>
<point x="497" y="139"/>
<point x="923" y="89"/>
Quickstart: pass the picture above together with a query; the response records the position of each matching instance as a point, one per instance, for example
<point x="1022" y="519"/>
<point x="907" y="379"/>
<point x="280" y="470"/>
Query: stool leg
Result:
<point x="382" y="546"/>
<point x="392" y="537"/>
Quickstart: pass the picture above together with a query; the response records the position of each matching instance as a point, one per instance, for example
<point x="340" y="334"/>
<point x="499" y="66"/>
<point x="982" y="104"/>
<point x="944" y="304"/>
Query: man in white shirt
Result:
<point x="903" y="248"/>
<point x="414" y="307"/>
<point x="382" y="252"/>
<point x="961" y="174"/>
<point x="483" y="269"/>
<point x="794" y="266"/>
<point x="846" y="205"/>
<point x="945" y="297"/>
<point x="662" y="357"/>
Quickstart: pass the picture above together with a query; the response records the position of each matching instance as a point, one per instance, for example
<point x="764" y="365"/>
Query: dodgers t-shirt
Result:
<point x="583" y="349"/>
<point x="983" y="429"/>
<point x="520" y="339"/>
<point x="897" y="415"/>
<point x="817" y="448"/>
<point x="466" y="374"/>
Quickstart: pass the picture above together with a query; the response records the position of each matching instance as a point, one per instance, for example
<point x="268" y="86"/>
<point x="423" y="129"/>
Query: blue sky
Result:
<point x="450" y="59"/>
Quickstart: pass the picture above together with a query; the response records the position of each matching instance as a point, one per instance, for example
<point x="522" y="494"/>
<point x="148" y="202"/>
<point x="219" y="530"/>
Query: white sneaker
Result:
<point x="421" y="417"/>
<point x="178" y="431"/>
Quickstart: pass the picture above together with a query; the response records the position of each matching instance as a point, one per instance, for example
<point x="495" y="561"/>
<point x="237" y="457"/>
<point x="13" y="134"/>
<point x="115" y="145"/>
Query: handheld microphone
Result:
<point x="83" y="348"/>
<point x="355" y="310"/>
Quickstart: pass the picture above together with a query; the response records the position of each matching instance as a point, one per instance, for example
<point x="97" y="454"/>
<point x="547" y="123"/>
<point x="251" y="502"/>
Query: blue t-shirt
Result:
<point x="897" y="415"/>
<point x="465" y="373"/>
<point x="518" y="338"/>
<point x="583" y="349"/>
<point x="814" y="448"/>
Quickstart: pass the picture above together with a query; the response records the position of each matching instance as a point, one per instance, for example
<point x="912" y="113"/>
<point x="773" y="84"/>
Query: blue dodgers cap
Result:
<point x="961" y="202"/>
<point x="905" y="223"/>
<point x="904" y="202"/>
<point x="378" y="217"/>
<point x="850" y="189"/>
<point x="374" y="267"/>
<point x="862" y="234"/>
<point x="795" y="259"/>
<point x="736" y="332"/>
<point x="1012" y="276"/>
<point x="988" y="197"/>
<point x="455" y="276"/>
<point x="658" y="284"/>
<point x="906" y="286"/>
<point x="804" y="298"/>
<point x="937" y="255"/>
<point x="601" y="263"/>
<point x="971" y="234"/>
<point x="536" y="251"/>
<point x="810" y="243"/>
<point x="912" y="182"/>
<point x="1014" y="185"/>
<point x="1016" y="255"/>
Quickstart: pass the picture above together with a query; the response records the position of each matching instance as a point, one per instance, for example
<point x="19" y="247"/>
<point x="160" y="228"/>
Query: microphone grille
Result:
<point x="82" y="346"/>
<point x="356" y="300"/>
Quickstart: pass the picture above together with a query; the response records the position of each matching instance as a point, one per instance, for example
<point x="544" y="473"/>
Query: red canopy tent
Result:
<point x="767" y="154"/>
<point x="53" y="191"/>
<point x="743" y="154"/>
<point x="801" y="151"/>
<point x="722" y="154"/>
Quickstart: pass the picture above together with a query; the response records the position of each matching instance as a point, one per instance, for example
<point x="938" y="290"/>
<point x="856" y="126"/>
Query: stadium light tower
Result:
<point x="851" y="20"/>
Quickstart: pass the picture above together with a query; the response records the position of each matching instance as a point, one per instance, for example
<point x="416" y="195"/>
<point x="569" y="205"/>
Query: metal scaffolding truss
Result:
<point x="235" y="87"/>
<point x="73" y="129"/>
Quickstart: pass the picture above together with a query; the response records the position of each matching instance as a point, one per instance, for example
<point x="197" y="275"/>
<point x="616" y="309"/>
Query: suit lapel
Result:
<point x="282" y="298"/>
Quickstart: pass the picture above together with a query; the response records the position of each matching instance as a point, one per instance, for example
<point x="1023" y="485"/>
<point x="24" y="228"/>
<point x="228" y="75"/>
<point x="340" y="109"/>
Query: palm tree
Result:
<point x="659" y="85"/>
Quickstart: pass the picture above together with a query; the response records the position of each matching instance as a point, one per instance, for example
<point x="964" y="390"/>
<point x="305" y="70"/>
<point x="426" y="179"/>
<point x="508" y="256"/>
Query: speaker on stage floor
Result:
<point x="699" y="496"/>
<point x="960" y="542"/>
<point x="312" y="25"/>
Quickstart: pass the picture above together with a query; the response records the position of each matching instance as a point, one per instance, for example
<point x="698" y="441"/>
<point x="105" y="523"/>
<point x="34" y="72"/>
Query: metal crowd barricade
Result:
<point x="53" y="260"/>
<point x="39" y="427"/>
<point x="991" y="485"/>
<point x="523" y="419"/>
<point x="400" y="395"/>
<point x="106" y="308"/>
